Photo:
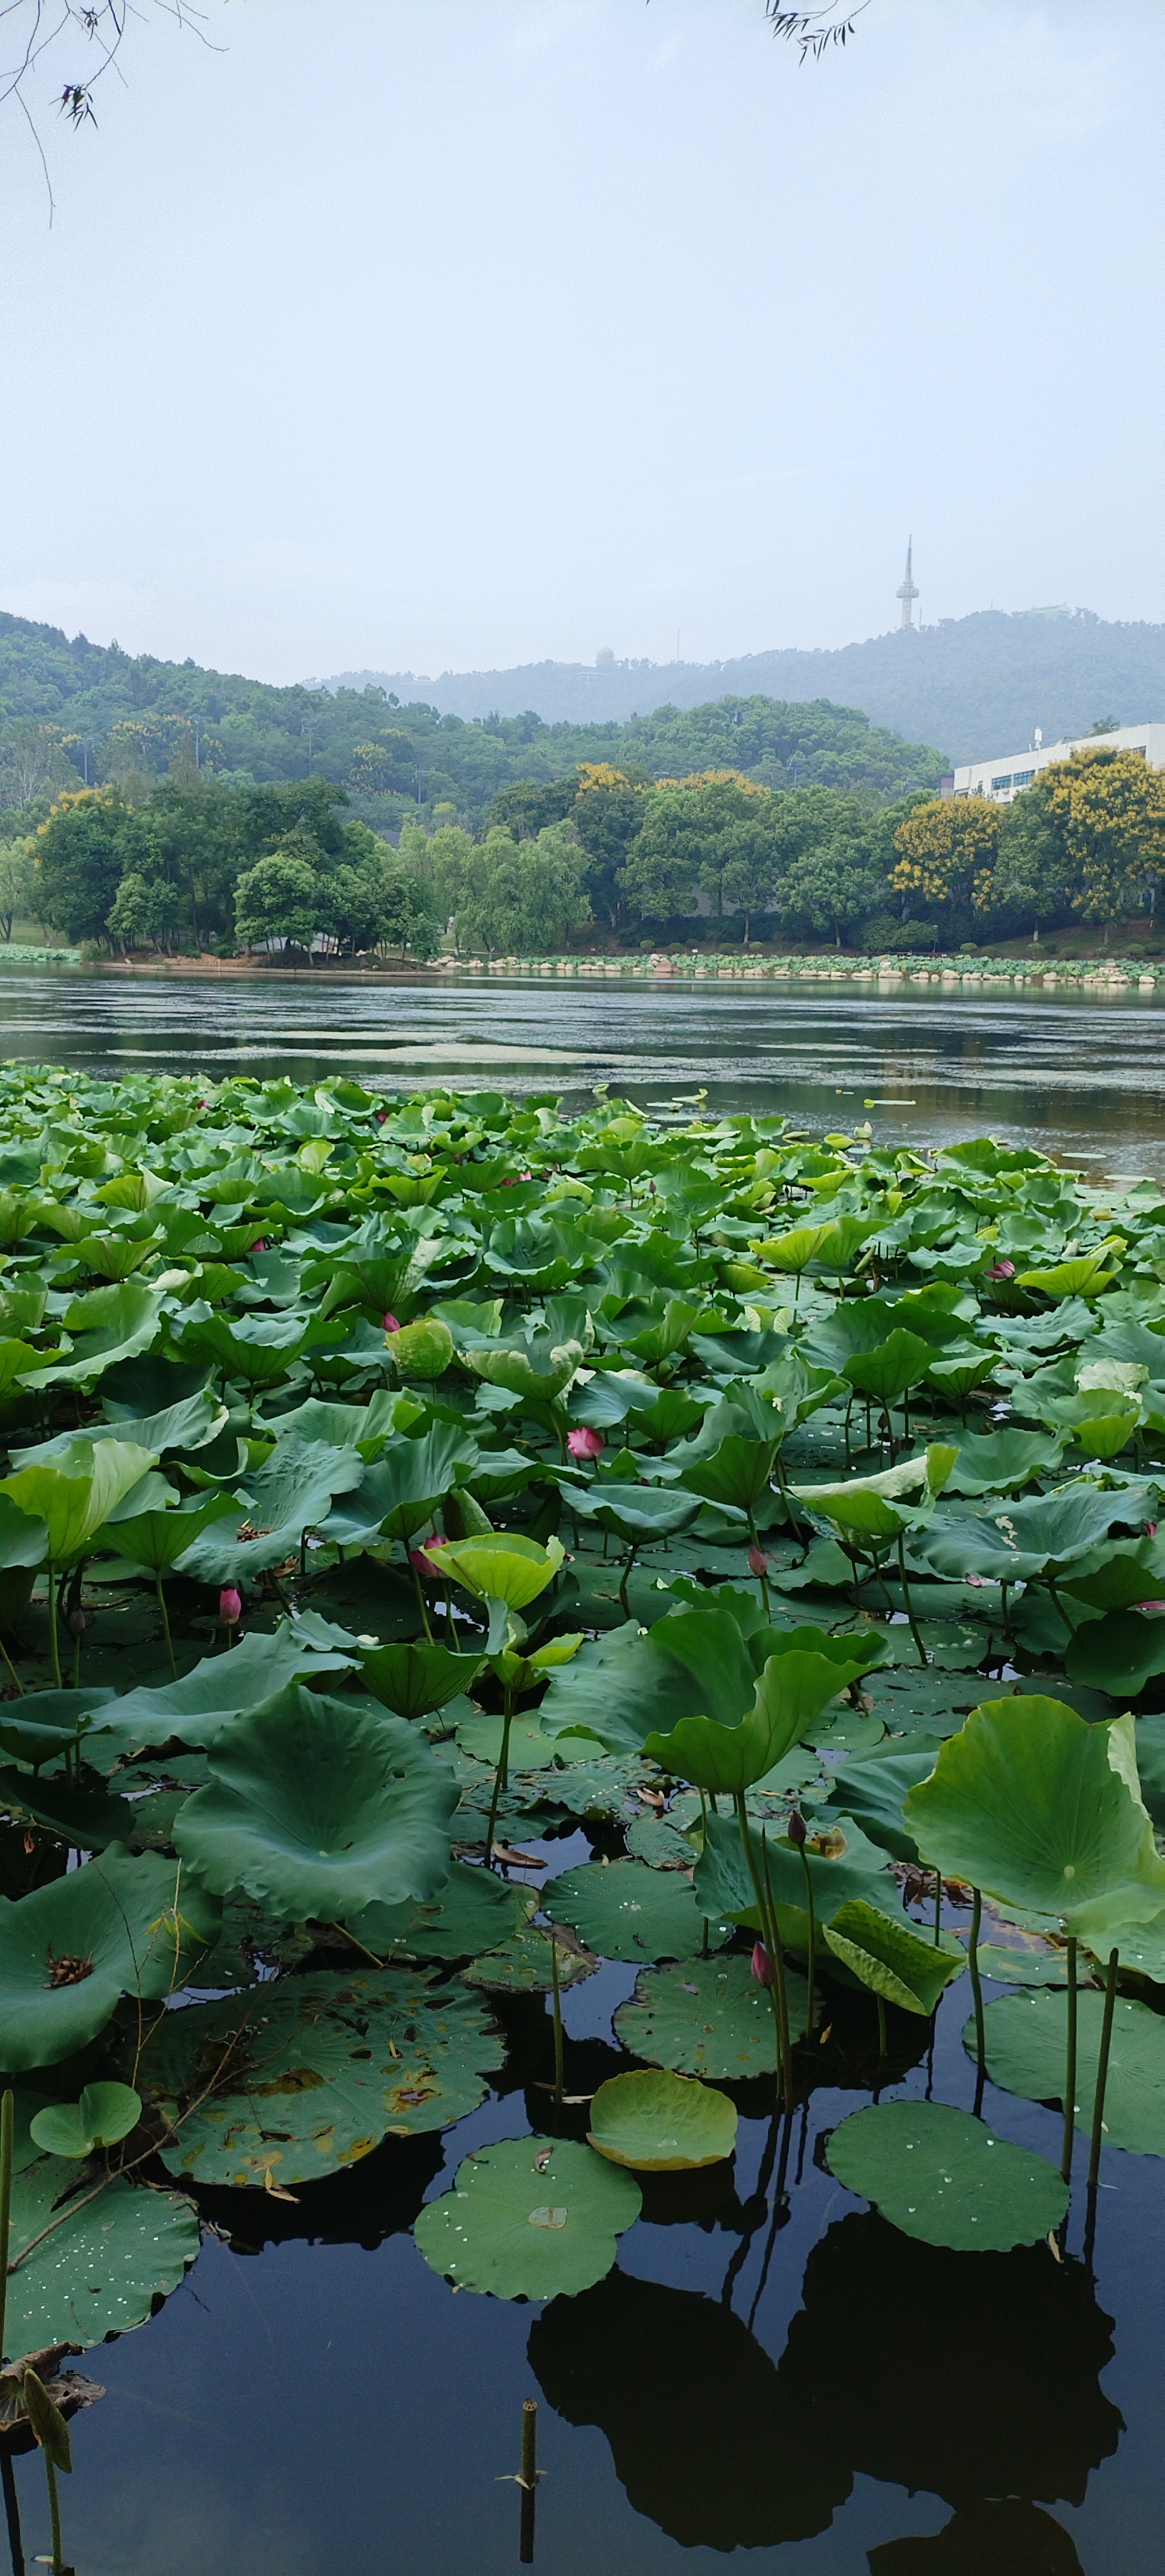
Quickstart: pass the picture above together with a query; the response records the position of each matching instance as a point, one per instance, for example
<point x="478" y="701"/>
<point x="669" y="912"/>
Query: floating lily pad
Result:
<point x="530" y="1749"/>
<point x="1045" y="1966"/>
<point x="660" y="2122"/>
<point x="102" y="2265"/>
<point x="529" y="2220"/>
<point x="522" y="1965"/>
<point x="474" y="1911"/>
<point x="70" y="1951"/>
<point x="624" y="1910"/>
<point x="653" y="1839"/>
<point x="312" y="2074"/>
<point x="1027" y="2039"/>
<point x="707" y="2017"/>
<point x="940" y="2175"/>
<point x="934" y="1702"/>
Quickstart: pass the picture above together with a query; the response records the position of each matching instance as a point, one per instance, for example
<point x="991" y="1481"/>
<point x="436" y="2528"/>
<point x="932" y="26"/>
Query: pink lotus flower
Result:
<point x="1001" y="1270"/>
<point x="762" y="1966"/>
<point x="230" y="1608"/>
<point x="1141" y="1605"/>
<point x="758" y="1562"/>
<point x="584" y="1444"/>
<point x="421" y="1558"/>
<point x="390" y="1324"/>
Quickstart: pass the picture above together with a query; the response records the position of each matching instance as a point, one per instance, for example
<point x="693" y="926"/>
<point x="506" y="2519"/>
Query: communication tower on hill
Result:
<point x="907" y="590"/>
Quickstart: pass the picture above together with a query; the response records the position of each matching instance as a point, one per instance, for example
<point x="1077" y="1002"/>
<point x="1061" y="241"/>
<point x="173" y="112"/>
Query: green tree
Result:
<point x="523" y="895"/>
<point x="78" y="856"/>
<point x="17" y="884"/>
<point x="278" y="898"/>
<point x="607" y="814"/>
<point x="832" y="887"/>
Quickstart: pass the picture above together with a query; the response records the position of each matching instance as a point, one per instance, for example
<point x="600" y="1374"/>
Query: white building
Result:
<point x="1003" y="777"/>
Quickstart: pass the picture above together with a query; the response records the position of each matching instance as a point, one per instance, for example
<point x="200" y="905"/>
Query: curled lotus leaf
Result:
<point x="659" y="2122"/>
<point x="319" y="1807"/>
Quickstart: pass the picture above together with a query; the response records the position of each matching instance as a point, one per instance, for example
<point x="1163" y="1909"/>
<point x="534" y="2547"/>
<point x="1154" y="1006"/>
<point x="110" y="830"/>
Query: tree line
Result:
<point x="195" y="863"/>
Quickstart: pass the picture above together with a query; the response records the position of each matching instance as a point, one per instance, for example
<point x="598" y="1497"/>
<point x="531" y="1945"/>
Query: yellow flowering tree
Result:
<point x="946" y="852"/>
<point x="1109" y="808"/>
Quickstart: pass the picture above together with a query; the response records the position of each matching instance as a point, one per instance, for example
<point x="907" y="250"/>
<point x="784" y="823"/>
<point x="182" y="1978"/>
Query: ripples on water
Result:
<point x="1078" y="1076"/>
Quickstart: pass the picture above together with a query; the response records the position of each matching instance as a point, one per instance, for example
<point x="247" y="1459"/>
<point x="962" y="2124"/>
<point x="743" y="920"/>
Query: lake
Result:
<point x="1078" y="1076"/>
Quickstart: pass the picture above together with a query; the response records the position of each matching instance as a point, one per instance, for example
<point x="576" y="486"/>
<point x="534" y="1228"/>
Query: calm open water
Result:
<point x="788" y="2381"/>
<point x="1077" y="1076"/>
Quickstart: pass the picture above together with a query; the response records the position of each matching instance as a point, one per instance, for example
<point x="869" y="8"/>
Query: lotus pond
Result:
<point x="582" y="1756"/>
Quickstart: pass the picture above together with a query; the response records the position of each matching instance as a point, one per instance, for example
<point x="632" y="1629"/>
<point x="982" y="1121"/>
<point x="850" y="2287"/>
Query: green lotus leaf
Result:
<point x="1013" y="1542"/>
<point x="656" y="1840"/>
<point x="303" y="2077"/>
<point x="104" y="2115"/>
<point x="888" y="1372"/>
<point x="891" y="1958"/>
<point x="413" y="1679"/>
<point x="44" y="1724"/>
<point x="503" y="1566"/>
<point x="108" y="1326"/>
<point x="1045" y="1966"/>
<point x="95" y="2266"/>
<point x="75" y="1493"/>
<point x="793" y="1252"/>
<point x="252" y="1348"/>
<point x="522" y="1965"/>
<point x="707" y="2017"/>
<point x="660" y="2122"/>
<point x="156" y="1539"/>
<point x="1035" y="1806"/>
<point x="401" y="1491"/>
<point x="640" y="1513"/>
<point x="1117" y="1654"/>
<point x="736" y="1473"/>
<point x="474" y="1912"/>
<point x="875" y="1507"/>
<point x="527" y="2219"/>
<point x="945" y="2178"/>
<point x="957" y="1378"/>
<point x="791" y="1692"/>
<point x="209" y="1699"/>
<point x="999" y="1461"/>
<point x="1119" y="1575"/>
<point x="24" y="1539"/>
<point x="1084" y="1277"/>
<point x="421" y="1350"/>
<point x="516" y="1370"/>
<point x="856" y="1870"/>
<point x="623" y="1910"/>
<point x="530" y="1750"/>
<point x="71" y="1949"/>
<point x="289" y="1494"/>
<point x="318" y="1807"/>
<point x="697" y="1662"/>
<point x="872" y="1790"/>
<point x="1027" y="2038"/>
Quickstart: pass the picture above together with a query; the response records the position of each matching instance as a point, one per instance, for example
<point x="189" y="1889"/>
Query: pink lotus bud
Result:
<point x="1149" y="1528"/>
<point x="390" y="1324"/>
<point x="978" y="1582"/>
<point x="762" y="1966"/>
<point x="76" y="1623"/>
<point x="260" y="1244"/>
<point x="1149" y="1606"/>
<point x="797" y="1834"/>
<point x="421" y="1558"/>
<point x="381" y="1115"/>
<point x="584" y="1444"/>
<point x="230" y="1608"/>
<point x="1001" y="1270"/>
<point x="758" y="1563"/>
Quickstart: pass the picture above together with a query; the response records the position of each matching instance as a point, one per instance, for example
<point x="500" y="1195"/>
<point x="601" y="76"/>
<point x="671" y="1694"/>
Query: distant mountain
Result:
<point x="970" y="685"/>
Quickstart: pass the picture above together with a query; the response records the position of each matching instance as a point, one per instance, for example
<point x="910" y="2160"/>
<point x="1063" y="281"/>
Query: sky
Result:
<point x="451" y="334"/>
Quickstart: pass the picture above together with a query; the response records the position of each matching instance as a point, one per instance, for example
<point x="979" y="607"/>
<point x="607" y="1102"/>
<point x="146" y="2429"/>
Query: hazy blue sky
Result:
<point x="447" y="333"/>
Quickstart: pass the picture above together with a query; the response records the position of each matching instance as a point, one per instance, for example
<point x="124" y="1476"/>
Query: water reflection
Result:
<point x="1005" y="2539"/>
<point x="1079" y="1074"/>
<point x="724" y="2449"/>
<point x="362" y="2204"/>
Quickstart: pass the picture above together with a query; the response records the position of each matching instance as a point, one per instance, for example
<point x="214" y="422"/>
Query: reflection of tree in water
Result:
<point x="1006" y="2539"/>
<point x="724" y="2450"/>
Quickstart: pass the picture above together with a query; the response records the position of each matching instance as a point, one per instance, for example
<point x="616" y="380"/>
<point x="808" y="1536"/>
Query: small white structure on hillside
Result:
<point x="1009" y="772"/>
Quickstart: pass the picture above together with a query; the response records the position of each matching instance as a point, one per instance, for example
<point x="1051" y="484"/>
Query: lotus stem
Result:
<point x="1070" y="2068"/>
<point x="764" y="1587"/>
<point x="54" y="2511"/>
<point x="977" y="1992"/>
<point x="19" y="1686"/>
<point x="1102" y="2071"/>
<point x="908" y="1603"/>
<point x="501" y="1776"/>
<point x="938" y="1908"/>
<point x="7" y="2117"/>
<point x="420" y="1596"/>
<point x="165" y="1622"/>
<point x="778" y="1959"/>
<point x="812" y="1958"/>
<point x="771" y="1938"/>
<point x="626" y="1575"/>
<point x="54" y="1647"/>
<point x="528" y="2481"/>
<point x="11" y="2510"/>
<point x="556" y="2000"/>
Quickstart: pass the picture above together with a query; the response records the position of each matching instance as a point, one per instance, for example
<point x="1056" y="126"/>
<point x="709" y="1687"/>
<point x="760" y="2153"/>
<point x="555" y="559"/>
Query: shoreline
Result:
<point x="996" y="974"/>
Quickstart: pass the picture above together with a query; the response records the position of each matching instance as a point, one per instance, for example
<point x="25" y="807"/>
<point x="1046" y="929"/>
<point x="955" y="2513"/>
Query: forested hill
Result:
<point x="72" y="706"/>
<point x="973" y="685"/>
